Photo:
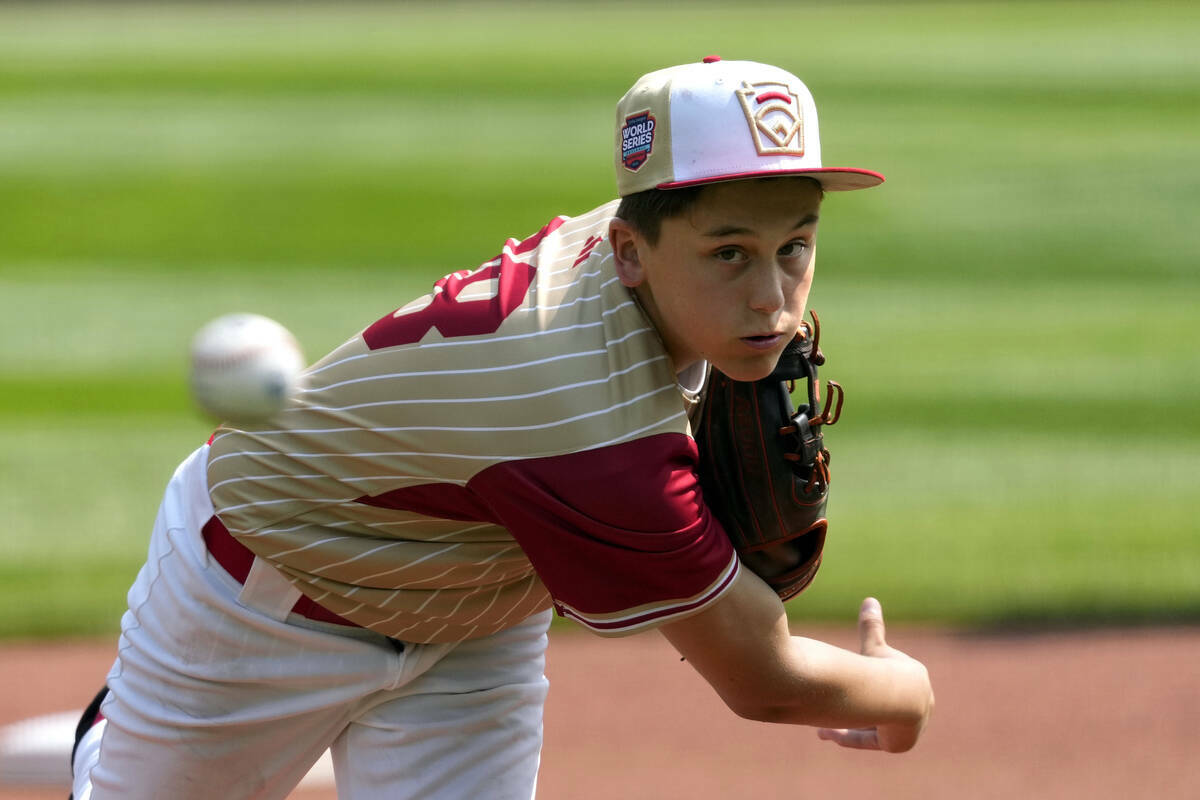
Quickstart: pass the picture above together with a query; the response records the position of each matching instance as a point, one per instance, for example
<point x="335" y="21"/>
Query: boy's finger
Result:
<point x="858" y="739"/>
<point x="870" y="626"/>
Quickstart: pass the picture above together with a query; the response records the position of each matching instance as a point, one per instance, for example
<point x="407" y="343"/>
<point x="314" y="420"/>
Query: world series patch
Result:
<point x="637" y="140"/>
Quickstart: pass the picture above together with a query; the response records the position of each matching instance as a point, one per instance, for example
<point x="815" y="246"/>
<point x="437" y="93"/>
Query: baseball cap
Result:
<point x="721" y="121"/>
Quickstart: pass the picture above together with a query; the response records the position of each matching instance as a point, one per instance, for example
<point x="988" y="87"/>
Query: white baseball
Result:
<point x="245" y="367"/>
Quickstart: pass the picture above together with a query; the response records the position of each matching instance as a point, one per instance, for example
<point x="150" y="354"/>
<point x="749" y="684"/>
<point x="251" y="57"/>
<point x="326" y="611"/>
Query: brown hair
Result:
<point x="647" y="209"/>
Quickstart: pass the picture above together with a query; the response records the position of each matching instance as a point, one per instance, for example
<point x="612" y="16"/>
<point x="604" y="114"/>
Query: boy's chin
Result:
<point x="748" y="370"/>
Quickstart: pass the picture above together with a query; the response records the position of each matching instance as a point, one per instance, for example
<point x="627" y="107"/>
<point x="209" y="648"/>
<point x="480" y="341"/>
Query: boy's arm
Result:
<point x="878" y="698"/>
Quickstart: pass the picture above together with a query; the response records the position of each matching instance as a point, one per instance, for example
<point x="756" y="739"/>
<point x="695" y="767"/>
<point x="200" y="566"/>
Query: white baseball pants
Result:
<point x="212" y="696"/>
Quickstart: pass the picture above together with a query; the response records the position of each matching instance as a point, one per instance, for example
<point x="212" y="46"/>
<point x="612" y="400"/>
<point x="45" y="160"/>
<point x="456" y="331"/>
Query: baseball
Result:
<point x="244" y="367"/>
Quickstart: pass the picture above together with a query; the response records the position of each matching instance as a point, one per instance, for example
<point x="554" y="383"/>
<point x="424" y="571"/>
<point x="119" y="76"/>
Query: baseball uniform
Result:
<point x="514" y="441"/>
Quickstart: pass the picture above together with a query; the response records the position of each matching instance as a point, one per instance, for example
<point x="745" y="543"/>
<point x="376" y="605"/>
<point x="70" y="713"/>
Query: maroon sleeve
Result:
<point x="619" y="535"/>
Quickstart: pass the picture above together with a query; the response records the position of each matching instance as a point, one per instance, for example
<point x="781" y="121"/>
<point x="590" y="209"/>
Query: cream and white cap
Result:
<point x="722" y="121"/>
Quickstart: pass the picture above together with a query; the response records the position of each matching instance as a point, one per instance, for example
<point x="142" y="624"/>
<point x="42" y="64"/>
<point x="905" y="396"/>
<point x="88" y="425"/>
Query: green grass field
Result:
<point x="1014" y="314"/>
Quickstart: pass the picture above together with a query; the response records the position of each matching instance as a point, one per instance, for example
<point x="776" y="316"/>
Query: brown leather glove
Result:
<point x="764" y="467"/>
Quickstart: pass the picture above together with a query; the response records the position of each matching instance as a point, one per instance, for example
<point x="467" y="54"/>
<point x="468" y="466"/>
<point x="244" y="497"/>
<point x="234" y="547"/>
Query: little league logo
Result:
<point x="776" y="122"/>
<point x="637" y="140"/>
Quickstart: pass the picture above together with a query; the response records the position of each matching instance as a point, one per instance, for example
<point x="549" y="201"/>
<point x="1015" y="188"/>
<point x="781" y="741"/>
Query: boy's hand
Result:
<point x="893" y="737"/>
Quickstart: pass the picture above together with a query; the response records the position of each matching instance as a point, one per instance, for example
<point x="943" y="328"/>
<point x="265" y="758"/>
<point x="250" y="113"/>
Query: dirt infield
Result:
<point x="1098" y="714"/>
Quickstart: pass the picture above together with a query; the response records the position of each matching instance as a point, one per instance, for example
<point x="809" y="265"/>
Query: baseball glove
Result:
<point x="764" y="468"/>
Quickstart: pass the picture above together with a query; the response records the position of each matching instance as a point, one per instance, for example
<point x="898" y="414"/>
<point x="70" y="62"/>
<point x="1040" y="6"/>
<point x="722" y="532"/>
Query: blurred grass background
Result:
<point x="1014" y="314"/>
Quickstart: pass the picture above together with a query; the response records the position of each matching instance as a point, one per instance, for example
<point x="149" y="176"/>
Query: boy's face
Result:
<point x="728" y="279"/>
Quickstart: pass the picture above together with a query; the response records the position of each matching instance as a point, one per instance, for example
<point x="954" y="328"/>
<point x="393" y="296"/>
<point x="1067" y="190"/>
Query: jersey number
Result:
<point x="468" y="317"/>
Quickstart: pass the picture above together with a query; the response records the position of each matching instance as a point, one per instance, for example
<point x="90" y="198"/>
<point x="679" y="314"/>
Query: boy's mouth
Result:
<point x="763" y="341"/>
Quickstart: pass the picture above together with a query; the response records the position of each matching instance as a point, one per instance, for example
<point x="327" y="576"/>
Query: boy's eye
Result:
<point x="792" y="249"/>
<point x="729" y="254"/>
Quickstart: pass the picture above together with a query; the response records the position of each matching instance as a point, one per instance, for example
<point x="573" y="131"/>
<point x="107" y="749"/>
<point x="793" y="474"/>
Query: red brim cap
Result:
<point x="722" y="121"/>
<point x="832" y="179"/>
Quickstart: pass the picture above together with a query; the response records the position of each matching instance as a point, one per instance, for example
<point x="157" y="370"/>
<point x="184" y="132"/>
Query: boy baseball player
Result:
<point x="373" y="571"/>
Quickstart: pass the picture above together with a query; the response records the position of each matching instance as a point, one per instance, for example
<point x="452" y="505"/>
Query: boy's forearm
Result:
<point x="743" y="647"/>
<point x="827" y="686"/>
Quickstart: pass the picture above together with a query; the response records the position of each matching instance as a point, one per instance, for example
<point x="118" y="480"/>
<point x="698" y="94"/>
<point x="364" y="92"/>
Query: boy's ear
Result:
<point x="626" y="243"/>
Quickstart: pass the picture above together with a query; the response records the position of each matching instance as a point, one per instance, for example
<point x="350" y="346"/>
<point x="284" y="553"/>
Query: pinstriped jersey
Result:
<point x="515" y="438"/>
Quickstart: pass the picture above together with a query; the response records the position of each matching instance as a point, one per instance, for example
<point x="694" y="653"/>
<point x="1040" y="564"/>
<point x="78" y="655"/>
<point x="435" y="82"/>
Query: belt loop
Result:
<point x="266" y="590"/>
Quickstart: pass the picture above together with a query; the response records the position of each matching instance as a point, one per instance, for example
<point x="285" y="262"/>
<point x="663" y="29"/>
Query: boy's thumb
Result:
<point x="870" y="626"/>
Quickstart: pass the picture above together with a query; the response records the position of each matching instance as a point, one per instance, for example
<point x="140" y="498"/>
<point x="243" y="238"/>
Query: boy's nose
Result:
<point x="766" y="293"/>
